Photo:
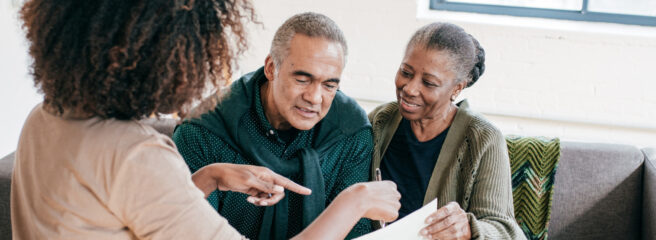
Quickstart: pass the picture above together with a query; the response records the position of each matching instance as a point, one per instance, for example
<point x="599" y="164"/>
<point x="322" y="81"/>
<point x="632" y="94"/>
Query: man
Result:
<point x="288" y="116"/>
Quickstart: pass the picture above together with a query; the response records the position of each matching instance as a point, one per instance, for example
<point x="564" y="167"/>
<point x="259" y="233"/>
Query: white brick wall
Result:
<point x="577" y="81"/>
<point x="17" y="94"/>
<point x="573" y="80"/>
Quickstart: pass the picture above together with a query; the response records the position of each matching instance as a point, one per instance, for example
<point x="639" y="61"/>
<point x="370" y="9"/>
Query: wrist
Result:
<point x="217" y="174"/>
<point x="206" y="179"/>
<point x="356" y="197"/>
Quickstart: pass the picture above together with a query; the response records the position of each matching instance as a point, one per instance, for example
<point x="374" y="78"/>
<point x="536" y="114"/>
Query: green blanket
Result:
<point x="533" y="163"/>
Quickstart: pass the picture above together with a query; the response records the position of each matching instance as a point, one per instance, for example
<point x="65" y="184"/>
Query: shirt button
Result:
<point x="271" y="132"/>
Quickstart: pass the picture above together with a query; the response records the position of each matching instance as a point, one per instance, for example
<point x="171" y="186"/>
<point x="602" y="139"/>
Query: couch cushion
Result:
<point x="598" y="192"/>
<point x="649" y="195"/>
<point x="533" y="162"/>
<point x="6" y="167"/>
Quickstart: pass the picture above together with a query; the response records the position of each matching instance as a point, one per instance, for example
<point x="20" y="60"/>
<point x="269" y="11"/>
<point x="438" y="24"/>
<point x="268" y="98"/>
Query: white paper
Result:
<point x="405" y="228"/>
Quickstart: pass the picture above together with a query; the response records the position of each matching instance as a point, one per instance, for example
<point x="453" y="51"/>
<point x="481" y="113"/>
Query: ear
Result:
<point x="269" y="68"/>
<point x="458" y="88"/>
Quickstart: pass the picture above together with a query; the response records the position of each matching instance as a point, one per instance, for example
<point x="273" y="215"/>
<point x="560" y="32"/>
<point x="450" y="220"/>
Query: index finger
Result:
<point x="290" y="185"/>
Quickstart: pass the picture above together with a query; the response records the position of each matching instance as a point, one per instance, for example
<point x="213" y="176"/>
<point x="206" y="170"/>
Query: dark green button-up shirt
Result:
<point x="347" y="163"/>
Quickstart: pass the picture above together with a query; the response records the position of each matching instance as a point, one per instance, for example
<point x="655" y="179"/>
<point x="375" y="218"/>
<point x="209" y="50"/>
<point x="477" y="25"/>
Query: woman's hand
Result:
<point x="448" y="222"/>
<point x="374" y="200"/>
<point x="378" y="200"/>
<point x="264" y="186"/>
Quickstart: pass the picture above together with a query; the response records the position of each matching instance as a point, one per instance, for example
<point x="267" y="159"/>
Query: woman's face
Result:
<point x="425" y="84"/>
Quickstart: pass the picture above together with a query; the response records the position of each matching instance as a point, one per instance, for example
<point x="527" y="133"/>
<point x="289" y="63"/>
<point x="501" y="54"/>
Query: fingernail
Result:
<point x="423" y="232"/>
<point x="429" y="220"/>
<point x="263" y="203"/>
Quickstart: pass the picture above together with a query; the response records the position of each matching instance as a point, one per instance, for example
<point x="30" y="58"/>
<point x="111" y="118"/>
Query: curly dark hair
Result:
<point x="127" y="59"/>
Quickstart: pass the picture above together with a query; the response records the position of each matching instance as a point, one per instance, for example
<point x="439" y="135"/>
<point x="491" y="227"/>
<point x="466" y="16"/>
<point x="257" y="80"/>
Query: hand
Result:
<point x="448" y="222"/>
<point x="264" y="186"/>
<point x="374" y="200"/>
<point x="379" y="200"/>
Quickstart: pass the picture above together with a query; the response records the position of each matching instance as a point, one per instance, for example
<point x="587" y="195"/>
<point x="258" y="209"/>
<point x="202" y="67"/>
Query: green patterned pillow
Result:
<point x="533" y="162"/>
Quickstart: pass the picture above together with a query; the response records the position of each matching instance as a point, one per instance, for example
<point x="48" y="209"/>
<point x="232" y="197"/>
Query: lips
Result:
<point x="306" y="112"/>
<point x="408" y="106"/>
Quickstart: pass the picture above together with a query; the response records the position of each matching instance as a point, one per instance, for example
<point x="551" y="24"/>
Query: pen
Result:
<point x="380" y="178"/>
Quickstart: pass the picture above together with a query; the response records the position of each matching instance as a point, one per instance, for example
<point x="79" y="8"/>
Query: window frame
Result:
<point x="575" y="15"/>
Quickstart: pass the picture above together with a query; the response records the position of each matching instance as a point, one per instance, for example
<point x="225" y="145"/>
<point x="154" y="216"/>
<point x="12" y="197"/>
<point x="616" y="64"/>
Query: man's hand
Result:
<point x="448" y="222"/>
<point x="264" y="186"/>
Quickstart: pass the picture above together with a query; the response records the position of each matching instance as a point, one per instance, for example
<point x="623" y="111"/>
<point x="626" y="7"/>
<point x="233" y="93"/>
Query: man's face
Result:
<point x="301" y="91"/>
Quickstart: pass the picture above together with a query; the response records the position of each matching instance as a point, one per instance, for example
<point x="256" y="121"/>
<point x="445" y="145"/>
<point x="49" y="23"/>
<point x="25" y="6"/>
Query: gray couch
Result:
<point x="602" y="191"/>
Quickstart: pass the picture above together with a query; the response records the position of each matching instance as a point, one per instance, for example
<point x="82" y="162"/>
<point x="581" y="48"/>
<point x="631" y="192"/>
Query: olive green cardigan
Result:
<point x="473" y="170"/>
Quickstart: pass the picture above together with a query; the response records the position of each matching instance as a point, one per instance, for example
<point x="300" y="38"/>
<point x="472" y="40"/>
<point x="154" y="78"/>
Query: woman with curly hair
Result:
<point x="87" y="169"/>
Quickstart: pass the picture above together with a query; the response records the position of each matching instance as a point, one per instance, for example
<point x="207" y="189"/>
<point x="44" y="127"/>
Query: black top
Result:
<point x="409" y="163"/>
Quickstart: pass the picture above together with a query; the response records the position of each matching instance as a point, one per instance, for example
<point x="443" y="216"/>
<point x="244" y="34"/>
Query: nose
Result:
<point x="411" y="88"/>
<point x="313" y="94"/>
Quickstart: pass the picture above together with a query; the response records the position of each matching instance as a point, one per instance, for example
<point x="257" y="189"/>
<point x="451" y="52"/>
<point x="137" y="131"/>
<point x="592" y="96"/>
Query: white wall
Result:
<point x="573" y="80"/>
<point x="17" y="94"/>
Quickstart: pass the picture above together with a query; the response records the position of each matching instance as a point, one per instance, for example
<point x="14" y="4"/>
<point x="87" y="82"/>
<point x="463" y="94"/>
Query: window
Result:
<point x="637" y="12"/>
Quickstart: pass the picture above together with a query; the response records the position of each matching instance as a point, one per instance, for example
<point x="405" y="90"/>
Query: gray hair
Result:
<point x="467" y="55"/>
<point x="309" y="24"/>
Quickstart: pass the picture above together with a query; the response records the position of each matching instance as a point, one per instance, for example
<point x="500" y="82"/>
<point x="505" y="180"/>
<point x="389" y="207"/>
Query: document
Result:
<point x="405" y="228"/>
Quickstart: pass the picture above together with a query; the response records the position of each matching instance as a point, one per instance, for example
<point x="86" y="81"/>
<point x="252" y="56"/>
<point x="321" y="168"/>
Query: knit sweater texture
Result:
<point x="473" y="169"/>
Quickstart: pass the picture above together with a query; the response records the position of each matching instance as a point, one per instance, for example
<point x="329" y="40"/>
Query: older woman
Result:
<point x="432" y="147"/>
<point x="87" y="169"/>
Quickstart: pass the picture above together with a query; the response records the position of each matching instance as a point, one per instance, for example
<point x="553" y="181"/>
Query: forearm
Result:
<point x="494" y="228"/>
<point x="336" y="221"/>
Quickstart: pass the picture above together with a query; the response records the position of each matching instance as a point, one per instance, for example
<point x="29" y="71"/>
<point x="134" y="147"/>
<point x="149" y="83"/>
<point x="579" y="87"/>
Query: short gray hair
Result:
<point x="467" y="55"/>
<point x="309" y="24"/>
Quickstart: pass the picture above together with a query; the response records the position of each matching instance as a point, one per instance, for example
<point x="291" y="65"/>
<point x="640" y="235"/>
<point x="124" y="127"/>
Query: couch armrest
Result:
<point x="6" y="168"/>
<point x="649" y="193"/>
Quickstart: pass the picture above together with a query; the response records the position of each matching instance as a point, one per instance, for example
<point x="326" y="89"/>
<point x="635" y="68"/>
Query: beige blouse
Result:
<point x="105" y="179"/>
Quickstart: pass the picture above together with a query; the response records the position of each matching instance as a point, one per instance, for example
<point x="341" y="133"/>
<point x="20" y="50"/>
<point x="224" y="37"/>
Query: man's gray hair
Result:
<point x="309" y="24"/>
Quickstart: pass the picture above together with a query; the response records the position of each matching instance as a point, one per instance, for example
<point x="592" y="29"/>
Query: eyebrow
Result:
<point x="309" y="75"/>
<point x="333" y="80"/>
<point x="408" y="66"/>
<point x="435" y="78"/>
<point x="439" y="81"/>
<point x="303" y="73"/>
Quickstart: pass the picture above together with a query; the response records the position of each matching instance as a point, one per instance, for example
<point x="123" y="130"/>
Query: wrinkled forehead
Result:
<point x="319" y="57"/>
<point x="315" y="47"/>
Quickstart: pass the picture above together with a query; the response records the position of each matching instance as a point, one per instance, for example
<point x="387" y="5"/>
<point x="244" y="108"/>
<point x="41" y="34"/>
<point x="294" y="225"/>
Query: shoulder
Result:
<point x="193" y="136"/>
<point x="128" y="143"/>
<point x="188" y="130"/>
<point x="381" y="118"/>
<point x="345" y="105"/>
<point x="346" y="115"/>
<point x="483" y="132"/>
<point x="482" y="127"/>
<point x="383" y="113"/>
<point x="361" y="138"/>
<point x="135" y="133"/>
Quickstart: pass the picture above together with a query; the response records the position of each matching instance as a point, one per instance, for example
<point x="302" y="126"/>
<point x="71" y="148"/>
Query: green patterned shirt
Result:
<point x="348" y="163"/>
